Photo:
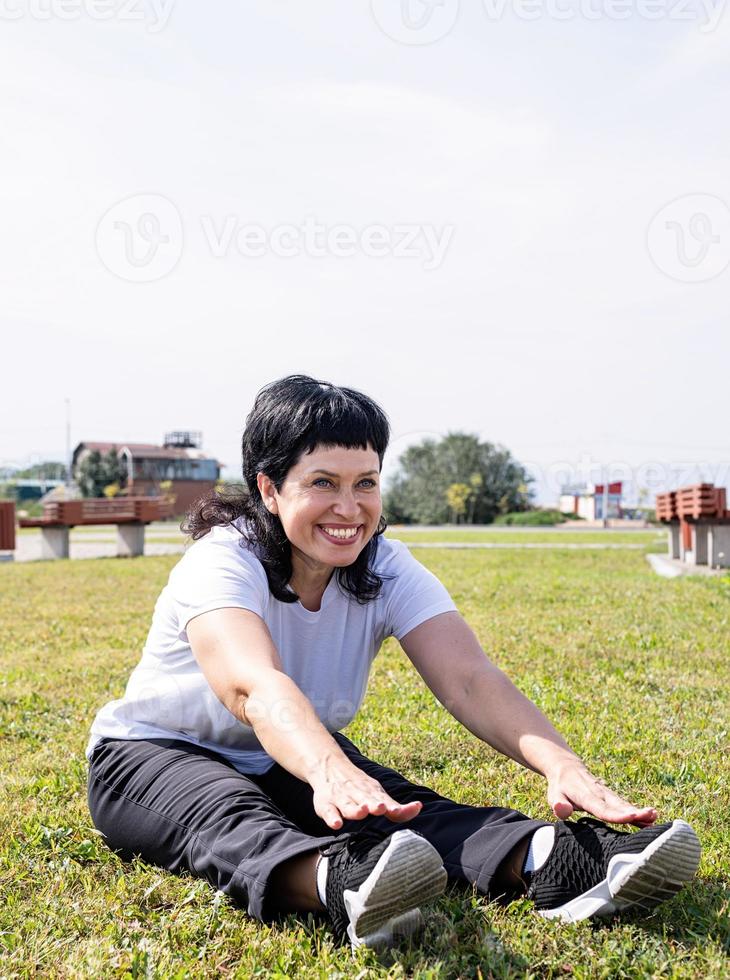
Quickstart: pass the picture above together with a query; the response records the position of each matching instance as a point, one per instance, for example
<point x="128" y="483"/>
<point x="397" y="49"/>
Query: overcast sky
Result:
<point x="497" y="217"/>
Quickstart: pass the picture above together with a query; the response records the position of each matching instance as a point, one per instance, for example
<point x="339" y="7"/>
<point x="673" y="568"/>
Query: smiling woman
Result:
<point x="225" y="755"/>
<point x="312" y="456"/>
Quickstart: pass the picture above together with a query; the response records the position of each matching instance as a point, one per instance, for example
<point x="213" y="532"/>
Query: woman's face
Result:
<point x="329" y="505"/>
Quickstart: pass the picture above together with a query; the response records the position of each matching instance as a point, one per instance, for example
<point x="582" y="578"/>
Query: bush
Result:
<point x="531" y="518"/>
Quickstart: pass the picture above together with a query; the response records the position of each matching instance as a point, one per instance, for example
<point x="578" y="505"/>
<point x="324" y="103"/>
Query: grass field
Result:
<point x="632" y="668"/>
<point x="652" y="539"/>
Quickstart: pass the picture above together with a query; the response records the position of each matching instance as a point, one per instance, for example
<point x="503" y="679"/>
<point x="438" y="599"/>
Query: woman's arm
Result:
<point x="448" y="656"/>
<point x="240" y="662"/>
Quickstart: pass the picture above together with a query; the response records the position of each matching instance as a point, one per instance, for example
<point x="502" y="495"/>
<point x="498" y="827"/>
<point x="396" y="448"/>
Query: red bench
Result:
<point x="699" y="524"/>
<point x="130" y="514"/>
<point x="7" y="527"/>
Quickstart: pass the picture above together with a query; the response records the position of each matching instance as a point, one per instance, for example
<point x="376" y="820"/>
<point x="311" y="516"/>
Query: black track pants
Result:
<point x="183" y="807"/>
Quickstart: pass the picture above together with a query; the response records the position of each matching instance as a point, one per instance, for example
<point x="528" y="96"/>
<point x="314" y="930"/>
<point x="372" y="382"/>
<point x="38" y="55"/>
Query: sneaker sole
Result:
<point x="641" y="880"/>
<point x="384" y="908"/>
<point x="393" y="931"/>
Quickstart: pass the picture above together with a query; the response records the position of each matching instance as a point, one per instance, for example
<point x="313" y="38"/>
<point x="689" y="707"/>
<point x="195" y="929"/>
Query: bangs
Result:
<point x="339" y="419"/>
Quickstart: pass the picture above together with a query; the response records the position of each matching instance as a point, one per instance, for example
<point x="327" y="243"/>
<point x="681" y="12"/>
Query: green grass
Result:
<point x="652" y="540"/>
<point x="647" y="540"/>
<point x="631" y="667"/>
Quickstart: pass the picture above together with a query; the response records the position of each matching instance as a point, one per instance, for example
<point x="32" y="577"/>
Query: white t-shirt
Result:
<point x="327" y="653"/>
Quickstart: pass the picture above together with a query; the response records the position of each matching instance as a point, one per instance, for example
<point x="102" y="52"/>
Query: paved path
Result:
<point x="29" y="548"/>
<point x="105" y="546"/>
<point x="673" y="568"/>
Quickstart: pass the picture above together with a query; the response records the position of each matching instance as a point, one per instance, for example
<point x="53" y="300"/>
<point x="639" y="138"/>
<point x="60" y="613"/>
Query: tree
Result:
<point x="166" y="492"/>
<point x="47" y="470"/>
<point x="457" y="497"/>
<point x="495" y="481"/>
<point x="96" y="472"/>
<point x="476" y="482"/>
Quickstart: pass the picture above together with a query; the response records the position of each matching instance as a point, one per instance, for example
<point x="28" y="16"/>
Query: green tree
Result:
<point x="476" y="482"/>
<point x="96" y="472"/>
<point x="457" y="497"/>
<point x="47" y="470"/>
<point x="417" y="493"/>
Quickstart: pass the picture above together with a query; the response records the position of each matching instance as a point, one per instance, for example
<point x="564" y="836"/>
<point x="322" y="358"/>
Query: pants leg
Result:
<point x="183" y="807"/>
<point x="472" y="840"/>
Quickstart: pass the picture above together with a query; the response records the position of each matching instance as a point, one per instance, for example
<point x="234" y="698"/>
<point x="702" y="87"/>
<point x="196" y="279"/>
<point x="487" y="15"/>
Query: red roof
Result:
<point x="613" y="488"/>
<point x="142" y="450"/>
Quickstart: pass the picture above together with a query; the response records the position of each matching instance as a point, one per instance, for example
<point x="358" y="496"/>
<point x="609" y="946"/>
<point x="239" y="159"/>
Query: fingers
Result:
<point x="402" y="812"/>
<point x="385" y="806"/>
<point x="331" y="816"/>
<point x="626" y="813"/>
<point x="561" y="806"/>
<point x="585" y="792"/>
<point x="355" y="799"/>
<point x="608" y="805"/>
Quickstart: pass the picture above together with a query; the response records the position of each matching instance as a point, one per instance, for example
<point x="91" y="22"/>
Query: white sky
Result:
<point x="544" y="148"/>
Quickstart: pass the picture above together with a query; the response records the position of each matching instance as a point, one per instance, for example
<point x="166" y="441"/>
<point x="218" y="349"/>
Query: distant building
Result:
<point x="28" y="490"/>
<point x="586" y="500"/>
<point x="179" y="459"/>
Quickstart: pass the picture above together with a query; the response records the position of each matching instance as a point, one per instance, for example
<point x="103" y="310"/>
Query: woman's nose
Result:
<point x="346" y="504"/>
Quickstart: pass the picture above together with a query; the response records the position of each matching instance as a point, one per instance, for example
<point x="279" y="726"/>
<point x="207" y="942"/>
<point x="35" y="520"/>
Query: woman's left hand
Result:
<point x="572" y="787"/>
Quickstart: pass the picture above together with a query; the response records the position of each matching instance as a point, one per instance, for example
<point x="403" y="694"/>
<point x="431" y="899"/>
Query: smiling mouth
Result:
<point x="340" y="536"/>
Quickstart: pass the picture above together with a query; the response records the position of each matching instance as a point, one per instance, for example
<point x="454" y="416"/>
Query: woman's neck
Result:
<point x="309" y="580"/>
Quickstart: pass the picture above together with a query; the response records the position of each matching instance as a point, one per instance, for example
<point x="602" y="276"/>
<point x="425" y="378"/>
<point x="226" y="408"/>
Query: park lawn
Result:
<point x="655" y="538"/>
<point x="650" y="540"/>
<point x="631" y="667"/>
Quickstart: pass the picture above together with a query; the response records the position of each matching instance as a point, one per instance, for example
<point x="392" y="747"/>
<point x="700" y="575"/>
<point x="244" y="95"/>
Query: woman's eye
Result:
<point x="322" y="479"/>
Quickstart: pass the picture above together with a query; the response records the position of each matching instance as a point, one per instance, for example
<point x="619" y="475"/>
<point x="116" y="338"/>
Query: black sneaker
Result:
<point x="595" y="870"/>
<point x="375" y="884"/>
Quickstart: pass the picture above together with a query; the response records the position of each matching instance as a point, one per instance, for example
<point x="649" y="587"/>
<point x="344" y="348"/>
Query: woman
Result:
<point x="224" y="756"/>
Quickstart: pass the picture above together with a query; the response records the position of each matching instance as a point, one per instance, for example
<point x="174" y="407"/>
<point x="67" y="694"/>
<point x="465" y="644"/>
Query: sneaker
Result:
<point x="595" y="870"/>
<point x="375" y="884"/>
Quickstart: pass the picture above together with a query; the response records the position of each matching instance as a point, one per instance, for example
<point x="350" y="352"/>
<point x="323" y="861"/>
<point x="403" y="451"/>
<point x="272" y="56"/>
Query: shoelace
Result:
<point x="356" y="843"/>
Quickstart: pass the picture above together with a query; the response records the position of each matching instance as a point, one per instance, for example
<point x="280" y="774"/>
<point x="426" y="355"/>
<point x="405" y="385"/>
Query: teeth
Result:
<point x="341" y="533"/>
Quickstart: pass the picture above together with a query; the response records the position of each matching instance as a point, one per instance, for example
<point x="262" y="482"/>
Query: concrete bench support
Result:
<point x="130" y="540"/>
<point x="54" y="542"/>
<point x="718" y="546"/>
<point x="673" y="550"/>
<point x="699" y="538"/>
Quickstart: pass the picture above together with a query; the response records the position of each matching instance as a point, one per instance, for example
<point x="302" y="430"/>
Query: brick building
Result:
<point x="587" y="500"/>
<point x="179" y="459"/>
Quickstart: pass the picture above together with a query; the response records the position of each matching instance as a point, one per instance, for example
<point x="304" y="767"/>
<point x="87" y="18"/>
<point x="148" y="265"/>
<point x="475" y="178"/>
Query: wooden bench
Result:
<point x="7" y="529"/>
<point x="698" y="522"/>
<point x="130" y="514"/>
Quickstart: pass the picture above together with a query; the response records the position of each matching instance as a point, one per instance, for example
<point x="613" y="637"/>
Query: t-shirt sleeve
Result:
<point x="414" y="595"/>
<point x="217" y="574"/>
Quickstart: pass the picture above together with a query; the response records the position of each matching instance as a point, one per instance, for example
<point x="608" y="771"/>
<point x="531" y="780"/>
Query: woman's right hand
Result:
<point x="344" y="792"/>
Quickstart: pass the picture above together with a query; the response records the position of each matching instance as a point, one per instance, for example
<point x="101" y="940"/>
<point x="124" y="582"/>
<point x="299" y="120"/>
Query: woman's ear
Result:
<point x="268" y="492"/>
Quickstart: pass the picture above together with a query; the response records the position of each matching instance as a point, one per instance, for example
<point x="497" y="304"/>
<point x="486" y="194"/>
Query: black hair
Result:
<point x="291" y="417"/>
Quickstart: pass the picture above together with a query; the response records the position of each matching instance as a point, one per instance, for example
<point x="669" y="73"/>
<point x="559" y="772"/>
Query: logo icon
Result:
<point x="415" y="21"/>
<point x="689" y="238"/>
<point x="140" y="239"/>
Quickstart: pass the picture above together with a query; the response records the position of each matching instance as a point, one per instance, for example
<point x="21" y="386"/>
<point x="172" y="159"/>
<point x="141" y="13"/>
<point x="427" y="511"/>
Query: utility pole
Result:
<point x="605" y="499"/>
<point x="68" y="442"/>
